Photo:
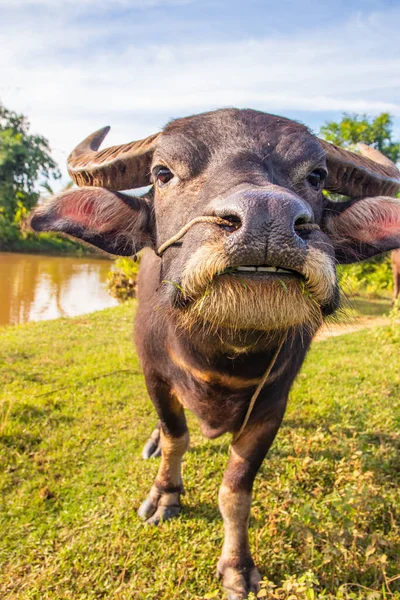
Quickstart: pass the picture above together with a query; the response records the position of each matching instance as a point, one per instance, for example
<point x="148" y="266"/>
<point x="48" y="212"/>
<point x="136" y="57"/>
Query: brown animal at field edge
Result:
<point x="395" y="256"/>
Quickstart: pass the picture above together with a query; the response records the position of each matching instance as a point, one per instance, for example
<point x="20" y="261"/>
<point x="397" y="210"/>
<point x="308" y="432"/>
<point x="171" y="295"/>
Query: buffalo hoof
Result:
<point x="239" y="582"/>
<point x="160" y="506"/>
<point x="152" y="448"/>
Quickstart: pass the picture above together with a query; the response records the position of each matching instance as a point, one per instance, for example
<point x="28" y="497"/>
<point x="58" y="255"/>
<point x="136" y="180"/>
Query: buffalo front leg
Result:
<point x="236" y="567"/>
<point x="163" y="501"/>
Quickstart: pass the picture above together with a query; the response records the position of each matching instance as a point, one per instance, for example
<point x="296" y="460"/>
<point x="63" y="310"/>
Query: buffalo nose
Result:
<point x="265" y="225"/>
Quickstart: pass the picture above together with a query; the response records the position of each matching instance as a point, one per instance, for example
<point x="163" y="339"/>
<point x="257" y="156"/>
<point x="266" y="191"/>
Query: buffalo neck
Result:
<point x="237" y="352"/>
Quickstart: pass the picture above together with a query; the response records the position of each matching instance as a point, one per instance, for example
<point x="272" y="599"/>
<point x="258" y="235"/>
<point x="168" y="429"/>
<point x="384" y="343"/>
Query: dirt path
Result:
<point x="332" y="330"/>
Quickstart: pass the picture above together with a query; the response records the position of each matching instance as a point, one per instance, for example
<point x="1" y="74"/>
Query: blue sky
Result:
<point x="73" y="66"/>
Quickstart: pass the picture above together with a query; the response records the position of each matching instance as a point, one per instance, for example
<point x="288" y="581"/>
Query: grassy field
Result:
<point x="367" y="307"/>
<point x="74" y="415"/>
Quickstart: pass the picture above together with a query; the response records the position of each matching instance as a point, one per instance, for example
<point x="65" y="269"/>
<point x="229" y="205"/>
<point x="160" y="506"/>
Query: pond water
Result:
<point x="37" y="287"/>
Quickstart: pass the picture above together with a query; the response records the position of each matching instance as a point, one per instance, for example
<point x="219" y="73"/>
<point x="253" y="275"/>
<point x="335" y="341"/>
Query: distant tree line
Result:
<point x="353" y="128"/>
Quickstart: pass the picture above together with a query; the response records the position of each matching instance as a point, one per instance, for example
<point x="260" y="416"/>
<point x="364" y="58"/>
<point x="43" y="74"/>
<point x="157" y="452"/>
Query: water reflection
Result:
<point x="33" y="287"/>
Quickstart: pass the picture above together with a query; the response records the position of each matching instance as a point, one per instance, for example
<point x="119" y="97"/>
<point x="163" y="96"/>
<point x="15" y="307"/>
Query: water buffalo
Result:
<point x="228" y="305"/>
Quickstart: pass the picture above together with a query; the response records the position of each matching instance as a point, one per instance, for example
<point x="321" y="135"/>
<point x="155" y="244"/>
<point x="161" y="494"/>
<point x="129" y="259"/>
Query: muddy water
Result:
<point x="33" y="287"/>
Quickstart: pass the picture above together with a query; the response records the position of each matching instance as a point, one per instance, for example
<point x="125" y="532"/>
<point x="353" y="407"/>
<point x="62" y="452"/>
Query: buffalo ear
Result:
<point x="116" y="223"/>
<point x="360" y="229"/>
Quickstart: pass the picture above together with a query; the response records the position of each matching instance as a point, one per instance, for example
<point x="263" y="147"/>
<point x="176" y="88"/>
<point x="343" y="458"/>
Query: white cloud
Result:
<point x="69" y="83"/>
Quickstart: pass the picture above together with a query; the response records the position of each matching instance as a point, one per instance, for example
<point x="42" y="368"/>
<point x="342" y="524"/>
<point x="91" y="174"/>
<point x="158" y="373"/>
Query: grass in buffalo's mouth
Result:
<point x="326" y="500"/>
<point x="176" y="285"/>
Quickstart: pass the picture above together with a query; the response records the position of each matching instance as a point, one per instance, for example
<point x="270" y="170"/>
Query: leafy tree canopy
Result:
<point x="24" y="161"/>
<point x="353" y="128"/>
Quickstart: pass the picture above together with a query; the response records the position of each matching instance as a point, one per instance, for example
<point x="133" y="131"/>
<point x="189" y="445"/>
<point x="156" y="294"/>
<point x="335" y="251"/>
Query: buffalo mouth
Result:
<point x="263" y="271"/>
<point x="217" y="292"/>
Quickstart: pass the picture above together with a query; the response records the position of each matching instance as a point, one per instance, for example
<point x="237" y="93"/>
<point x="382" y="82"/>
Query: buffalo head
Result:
<point x="269" y="261"/>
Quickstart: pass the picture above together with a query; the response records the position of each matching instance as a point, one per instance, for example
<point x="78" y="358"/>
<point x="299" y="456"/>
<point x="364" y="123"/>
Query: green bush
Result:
<point x="372" y="277"/>
<point x="121" y="282"/>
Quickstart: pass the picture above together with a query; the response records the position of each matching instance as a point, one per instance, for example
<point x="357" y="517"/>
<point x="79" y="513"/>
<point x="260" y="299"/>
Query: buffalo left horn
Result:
<point x="359" y="175"/>
<point x="116" y="168"/>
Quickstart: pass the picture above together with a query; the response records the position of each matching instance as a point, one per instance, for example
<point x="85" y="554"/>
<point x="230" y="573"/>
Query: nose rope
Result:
<point x="257" y="392"/>
<point x="307" y="227"/>
<point x="217" y="221"/>
<point x="185" y="229"/>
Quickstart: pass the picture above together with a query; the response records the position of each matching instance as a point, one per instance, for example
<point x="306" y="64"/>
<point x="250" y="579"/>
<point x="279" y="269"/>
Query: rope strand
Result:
<point x="185" y="229"/>
<point x="258" y="390"/>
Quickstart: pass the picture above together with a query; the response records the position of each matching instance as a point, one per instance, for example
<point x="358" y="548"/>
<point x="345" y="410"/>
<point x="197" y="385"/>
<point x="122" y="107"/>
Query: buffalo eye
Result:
<point x="317" y="179"/>
<point x="162" y="175"/>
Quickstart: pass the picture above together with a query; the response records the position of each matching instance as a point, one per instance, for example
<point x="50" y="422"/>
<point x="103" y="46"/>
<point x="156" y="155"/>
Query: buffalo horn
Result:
<point x="359" y="175"/>
<point x="116" y="168"/>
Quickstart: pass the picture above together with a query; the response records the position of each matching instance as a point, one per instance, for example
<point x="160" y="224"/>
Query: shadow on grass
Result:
<point x="22" y="442"/>
<point x="28" y="413"/>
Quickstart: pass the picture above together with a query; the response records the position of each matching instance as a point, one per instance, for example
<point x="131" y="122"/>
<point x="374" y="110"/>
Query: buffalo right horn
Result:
<point x="116" y="168"/>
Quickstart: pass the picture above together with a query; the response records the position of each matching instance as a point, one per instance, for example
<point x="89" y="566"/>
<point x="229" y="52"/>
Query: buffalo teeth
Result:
<point x="267" y="269"/>
<point x="263" y="270"/>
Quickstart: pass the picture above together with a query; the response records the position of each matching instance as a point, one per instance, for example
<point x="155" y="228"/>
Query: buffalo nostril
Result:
<point x="234" y="223"/>
<point x="303" y="226"/>
<point x="301" y="220"/>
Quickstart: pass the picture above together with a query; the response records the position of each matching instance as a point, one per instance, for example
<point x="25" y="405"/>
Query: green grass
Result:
<point x="370" y="307"/>
<point x="74" y="414"/>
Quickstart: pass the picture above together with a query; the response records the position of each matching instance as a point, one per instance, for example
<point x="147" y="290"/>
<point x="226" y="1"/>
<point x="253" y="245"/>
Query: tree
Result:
<point x="376" y="132"/>
<point x="25" y="160"/>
